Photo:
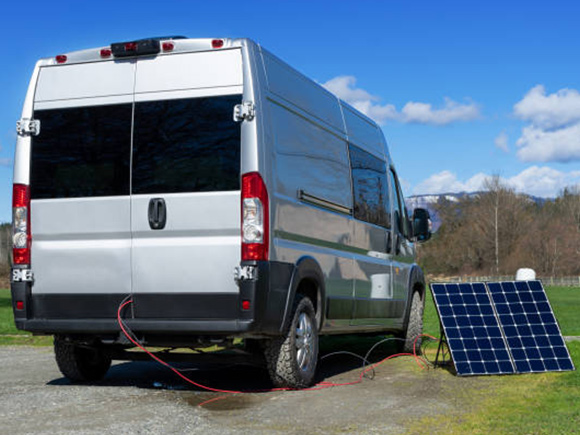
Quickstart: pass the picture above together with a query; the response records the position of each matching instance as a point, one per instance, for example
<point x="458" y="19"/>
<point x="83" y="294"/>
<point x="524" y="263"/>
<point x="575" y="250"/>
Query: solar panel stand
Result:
<point x="441" y="348"/>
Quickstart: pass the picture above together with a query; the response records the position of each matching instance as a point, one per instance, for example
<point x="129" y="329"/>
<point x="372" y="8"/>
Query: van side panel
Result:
<point x="362" y="132"/>
<point x="308" y="154"/>
<point x="304" y="229"/>
<point x="375" y="301"/>
<point x="285" y="82"/>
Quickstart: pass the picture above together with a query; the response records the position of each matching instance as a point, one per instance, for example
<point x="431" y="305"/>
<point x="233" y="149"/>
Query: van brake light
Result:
<point x="21" y="224"/>
<point x="255" y="218"/>
<point x="217" y="43"/>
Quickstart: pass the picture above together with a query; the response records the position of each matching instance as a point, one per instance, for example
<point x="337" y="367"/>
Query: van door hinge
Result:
<point x="28" y="127"/>
<point x="245" y="111"/>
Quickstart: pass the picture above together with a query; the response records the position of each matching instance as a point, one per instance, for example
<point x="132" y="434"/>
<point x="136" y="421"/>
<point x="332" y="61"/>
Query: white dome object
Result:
<point x="525" y="274"/>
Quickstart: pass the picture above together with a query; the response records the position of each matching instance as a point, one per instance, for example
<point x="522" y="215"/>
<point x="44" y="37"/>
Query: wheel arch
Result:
<point x="416" y="283"/>
<point x="307" y="279"/>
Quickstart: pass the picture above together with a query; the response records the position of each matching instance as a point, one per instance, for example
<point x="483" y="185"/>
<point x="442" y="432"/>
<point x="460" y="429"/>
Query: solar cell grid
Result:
<point x="503" y="328"/>
<point x="530" y="327"/>
<point x="472" y="330"/>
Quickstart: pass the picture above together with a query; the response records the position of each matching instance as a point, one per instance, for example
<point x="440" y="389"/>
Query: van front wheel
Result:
<point x="292" y="358"/>
<point x="412" y="337"/>
<point x="80" y="363"/>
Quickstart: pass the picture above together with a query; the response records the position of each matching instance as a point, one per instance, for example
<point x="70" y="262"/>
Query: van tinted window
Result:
<point x="401" y="218"/>
<point x="81" y="151"/>
<point x="187" y="145"/>
<point x="370" y="188"/>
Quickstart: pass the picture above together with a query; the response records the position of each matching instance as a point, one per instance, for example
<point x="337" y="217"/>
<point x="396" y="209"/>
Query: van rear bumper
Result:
<point x="192" y="313"/>
<point x="108" y="326"/>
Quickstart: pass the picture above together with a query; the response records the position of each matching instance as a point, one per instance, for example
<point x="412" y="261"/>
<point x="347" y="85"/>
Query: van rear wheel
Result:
<point x="292" y="358"/>
<point x="80" y="363"/>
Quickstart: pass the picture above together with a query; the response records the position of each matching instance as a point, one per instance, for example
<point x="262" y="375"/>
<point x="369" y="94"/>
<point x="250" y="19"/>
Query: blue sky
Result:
<point x="462" y="89"/>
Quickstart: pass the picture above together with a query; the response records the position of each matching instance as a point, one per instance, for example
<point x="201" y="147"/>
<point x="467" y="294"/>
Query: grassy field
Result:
<point x="524" y="404"/>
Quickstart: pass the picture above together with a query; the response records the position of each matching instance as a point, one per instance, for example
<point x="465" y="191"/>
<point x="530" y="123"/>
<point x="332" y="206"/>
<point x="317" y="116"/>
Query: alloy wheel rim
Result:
<point x="304" y="342"/>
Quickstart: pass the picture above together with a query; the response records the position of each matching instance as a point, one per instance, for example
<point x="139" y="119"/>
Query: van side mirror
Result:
<point x="421" y="225"/>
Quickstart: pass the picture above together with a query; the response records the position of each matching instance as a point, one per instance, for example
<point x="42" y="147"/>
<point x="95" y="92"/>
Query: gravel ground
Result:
<point x="143" y="397"/>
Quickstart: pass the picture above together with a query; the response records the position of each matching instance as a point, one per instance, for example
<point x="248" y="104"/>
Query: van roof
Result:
<point x="161" y="45"/>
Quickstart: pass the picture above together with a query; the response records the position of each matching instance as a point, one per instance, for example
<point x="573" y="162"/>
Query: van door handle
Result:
<point x="389" y="242"/>
<point x="157" y="213"/>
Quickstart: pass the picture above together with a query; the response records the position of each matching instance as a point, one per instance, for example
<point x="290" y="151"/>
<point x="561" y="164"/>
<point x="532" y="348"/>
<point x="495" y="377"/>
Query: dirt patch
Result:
<point x="143" y="397"/>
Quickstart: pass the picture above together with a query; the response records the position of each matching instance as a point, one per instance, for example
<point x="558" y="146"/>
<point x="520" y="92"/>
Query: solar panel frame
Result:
<point x="472" y="313"/>
<point x="473" y="333"/>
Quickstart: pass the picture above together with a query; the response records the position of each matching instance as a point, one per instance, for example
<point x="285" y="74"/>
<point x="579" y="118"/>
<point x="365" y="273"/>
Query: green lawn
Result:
<point x="544" y="403"/>
<point x="8" y="332"/>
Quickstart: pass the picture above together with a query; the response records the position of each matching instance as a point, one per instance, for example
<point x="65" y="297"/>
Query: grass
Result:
<point x="9" y="335"/>
<point x="545" y="403"/>
<point x="524" y="404"/>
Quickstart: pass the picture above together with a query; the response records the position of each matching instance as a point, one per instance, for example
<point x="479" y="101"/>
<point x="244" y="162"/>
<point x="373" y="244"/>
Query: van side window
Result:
<point x="186" y="145"/>
<point x="401" y="219"/>
<point x="370" y="188"/>
<point x="81" y="152"/>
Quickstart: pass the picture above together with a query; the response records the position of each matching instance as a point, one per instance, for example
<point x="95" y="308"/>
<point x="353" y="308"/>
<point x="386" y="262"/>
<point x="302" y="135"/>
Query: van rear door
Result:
<point x="79" y="181"/>
<point x="185" y="203"/>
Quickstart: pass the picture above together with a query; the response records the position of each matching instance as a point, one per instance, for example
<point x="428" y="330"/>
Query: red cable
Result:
<point x="320" y="386"/>
<point x="160" y="361"/>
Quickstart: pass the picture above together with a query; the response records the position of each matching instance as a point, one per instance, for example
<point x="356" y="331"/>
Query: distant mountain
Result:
<point x="429" y="201"/>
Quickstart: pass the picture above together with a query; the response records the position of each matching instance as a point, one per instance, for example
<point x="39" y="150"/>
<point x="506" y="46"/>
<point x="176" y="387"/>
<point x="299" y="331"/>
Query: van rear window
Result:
<point x="187" y="145"/>
<point x="82" y="151"/>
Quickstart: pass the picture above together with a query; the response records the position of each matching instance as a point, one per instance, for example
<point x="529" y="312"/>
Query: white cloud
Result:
<point x="412" y="112"/>
<point x="452" y="111"/>
<point x="553" y="132"/>
<point x="447" y="182"/>
<point x="501" y="141"/>
<point x="538" y="181"/>
<point x="543" y="181"/>
<point x="539" y="145"/>
<point x="5" y="162"/>
<point x="549" y="111"/>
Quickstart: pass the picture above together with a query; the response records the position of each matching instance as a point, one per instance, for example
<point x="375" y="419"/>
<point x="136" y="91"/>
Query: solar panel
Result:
<point x="500" y="328"/>
<point x="473" y="333"/>
<point x="530" y="327"/>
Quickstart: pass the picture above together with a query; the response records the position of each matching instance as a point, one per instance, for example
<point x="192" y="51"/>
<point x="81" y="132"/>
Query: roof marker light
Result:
<point x="168" y="46"/>
<point x="217" y="43"/>
<point x="61" y="58"/>
<point x="106" y="52"/>
<point x="130" y="46"/>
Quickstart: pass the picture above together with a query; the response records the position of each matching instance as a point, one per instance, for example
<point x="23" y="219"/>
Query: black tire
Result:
<point x="292" y="359"/>
<point x="80" y="363"/>
<point x="414" y="326"/>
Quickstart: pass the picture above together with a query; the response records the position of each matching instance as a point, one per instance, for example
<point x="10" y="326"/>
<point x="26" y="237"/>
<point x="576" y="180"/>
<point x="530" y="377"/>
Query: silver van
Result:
<point x="219" y="192"/>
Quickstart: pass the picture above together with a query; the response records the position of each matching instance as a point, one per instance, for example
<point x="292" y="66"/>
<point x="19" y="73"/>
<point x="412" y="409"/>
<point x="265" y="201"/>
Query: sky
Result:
<point x="462" y="90"/>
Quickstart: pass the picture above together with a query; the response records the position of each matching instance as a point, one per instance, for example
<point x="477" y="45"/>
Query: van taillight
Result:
<point x="21" y="224"/>
<point x="255" y="216"/>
